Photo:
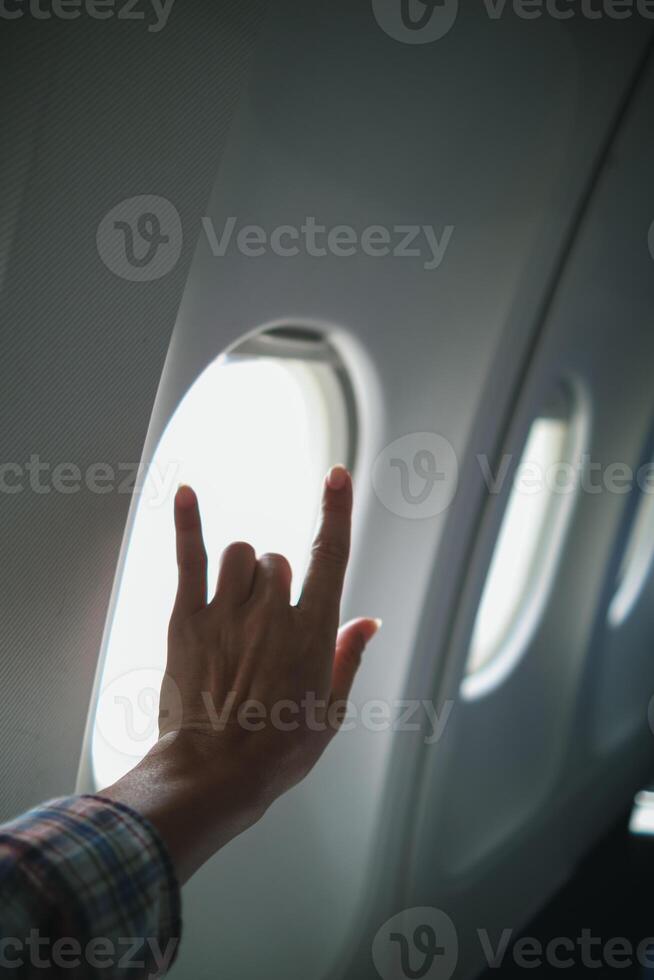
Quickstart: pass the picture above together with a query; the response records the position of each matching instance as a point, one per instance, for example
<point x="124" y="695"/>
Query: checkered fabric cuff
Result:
<point x="87" y="889"/>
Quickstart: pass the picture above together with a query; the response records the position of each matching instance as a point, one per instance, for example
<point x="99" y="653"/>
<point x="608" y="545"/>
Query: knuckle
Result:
<point x="192" y="562"/>
<point x="240" y="549"/>
<point x="276" y="562"/>
<point x="330" y="552"/>
<point x="335" y="504"/>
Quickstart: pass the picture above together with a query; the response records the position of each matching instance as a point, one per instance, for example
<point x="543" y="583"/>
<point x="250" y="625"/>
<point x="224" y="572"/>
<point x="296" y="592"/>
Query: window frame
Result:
<point x="568" y="401"/>
<point x="306" y="350"/>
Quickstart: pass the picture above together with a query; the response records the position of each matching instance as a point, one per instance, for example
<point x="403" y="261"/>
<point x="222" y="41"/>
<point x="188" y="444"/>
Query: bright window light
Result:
<point x="636" y="562"/>
<point x="254" y="436"/>
<point x="642" y="815"/>
<point x="527" y="547"/>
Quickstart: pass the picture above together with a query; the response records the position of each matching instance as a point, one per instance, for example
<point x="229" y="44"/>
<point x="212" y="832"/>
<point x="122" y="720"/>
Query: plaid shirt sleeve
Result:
<point x="86" y="890"/>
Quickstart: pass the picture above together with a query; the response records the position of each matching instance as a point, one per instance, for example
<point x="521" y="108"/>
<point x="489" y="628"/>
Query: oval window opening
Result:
<point x="528" y="544"/>
<point x="254" y="435"/>
<point x="637" y="559"/>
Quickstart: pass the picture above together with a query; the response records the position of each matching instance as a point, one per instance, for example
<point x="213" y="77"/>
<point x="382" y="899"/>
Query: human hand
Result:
<point x="261" y="684"/>
<point x="254" y="688"/>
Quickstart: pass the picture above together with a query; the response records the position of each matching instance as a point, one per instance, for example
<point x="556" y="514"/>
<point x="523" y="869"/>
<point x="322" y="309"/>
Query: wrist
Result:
<point x="192" y="794"/>
<point x="210" y="769"/>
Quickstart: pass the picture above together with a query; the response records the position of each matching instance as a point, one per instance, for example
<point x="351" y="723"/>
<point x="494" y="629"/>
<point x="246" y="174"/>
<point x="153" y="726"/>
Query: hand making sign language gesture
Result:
<point x="255" y="687"/>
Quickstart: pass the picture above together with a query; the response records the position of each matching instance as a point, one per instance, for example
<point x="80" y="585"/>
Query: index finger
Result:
<point x="323" y="584"/>
<point x="191" y="554"/>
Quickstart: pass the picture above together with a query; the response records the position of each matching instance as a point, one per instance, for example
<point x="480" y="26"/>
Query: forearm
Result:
<point x="196" y="805"/>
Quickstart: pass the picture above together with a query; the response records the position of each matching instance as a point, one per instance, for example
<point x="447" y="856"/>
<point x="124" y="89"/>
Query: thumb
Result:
<point x="351" y="641"/>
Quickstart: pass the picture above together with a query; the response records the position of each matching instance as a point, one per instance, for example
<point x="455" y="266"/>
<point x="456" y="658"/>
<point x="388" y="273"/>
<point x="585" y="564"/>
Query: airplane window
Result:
<point x="636" y="562"/>
<point x="258" y="474"/>
<point x="642" y="814"/>
<point x="527" y="546"/>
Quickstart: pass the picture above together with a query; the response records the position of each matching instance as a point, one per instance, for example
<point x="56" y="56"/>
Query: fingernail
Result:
<point x="185" y="496"/>
<point x="336" y="477"/>
<point x="378" y="622"/>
